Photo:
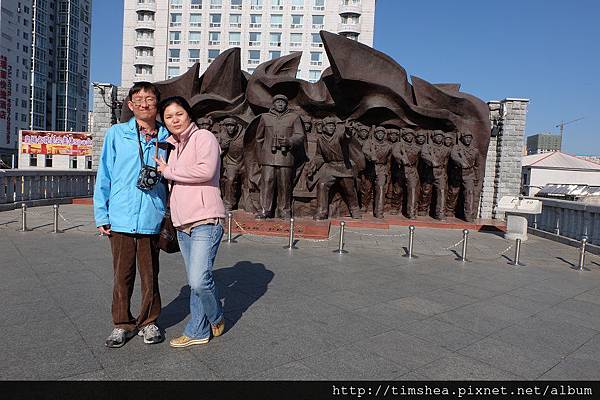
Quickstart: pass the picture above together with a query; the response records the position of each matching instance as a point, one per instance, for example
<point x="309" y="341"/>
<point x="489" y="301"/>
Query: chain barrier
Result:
<point x="375" y="235"/>
<point x="498" y="255"/>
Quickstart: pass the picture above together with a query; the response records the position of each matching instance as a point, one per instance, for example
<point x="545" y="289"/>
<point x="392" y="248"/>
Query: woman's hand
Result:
<point x="161" y="165"/>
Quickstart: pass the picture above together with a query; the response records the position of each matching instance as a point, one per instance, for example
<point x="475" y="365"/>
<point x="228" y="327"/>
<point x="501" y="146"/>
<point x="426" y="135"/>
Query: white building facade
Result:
<point x="163" y="38"/>
<point x="15" y="76"/>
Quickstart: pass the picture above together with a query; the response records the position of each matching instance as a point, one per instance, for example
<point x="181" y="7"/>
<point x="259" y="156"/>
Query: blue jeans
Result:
<point x="199" y="250"/>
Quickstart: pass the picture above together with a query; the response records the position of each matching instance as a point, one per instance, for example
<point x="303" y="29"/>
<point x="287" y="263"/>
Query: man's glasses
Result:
<point x="148" y="100"/>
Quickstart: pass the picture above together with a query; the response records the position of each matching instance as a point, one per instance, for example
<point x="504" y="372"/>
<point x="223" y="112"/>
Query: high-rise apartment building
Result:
<point x="543" y="143"/>
<point x="15" y="67"/>
<point x="163" y="38"/>
<point x="60" y="68"/>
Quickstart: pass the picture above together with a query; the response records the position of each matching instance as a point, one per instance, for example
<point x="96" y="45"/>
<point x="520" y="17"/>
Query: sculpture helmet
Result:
<point x="229" y="121"/>
<point x="330" y="120"/>
<point x="280" y="97"/>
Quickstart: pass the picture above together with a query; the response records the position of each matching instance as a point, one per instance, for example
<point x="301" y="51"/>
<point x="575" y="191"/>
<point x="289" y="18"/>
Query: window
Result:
<point x="195" y="20"/>
<point x="313" y="75"/>
<point x="88" y="162"/>
<point x="214" y="38"/>
<point x="33" y="160"/>
<point x="276" y="21"/>
<point x="194" y="37"/>
<point x="317" y="21"/>
<point x="175" y="20"/>
<point x="277" y="5"/>
<point x="296" y="21"/>
<point x="316" y="58"/>
<point x="316" y="40"/>
<point x="48" y="160"/>
<point x="295" y="39"/>
<point x="256" y="4"/>
<point x="236" y="4"/>
<point x="196" y="4"/>
<point x="350" y="19"/>
<point x="275" y="39"/>
<point x="254" y="39"/>
<point x="73" y="162"/>
<point x="193" y="55"/>
<point x="319" y="5"/>
<point x="297" y="5"/>
<point x="273" y="54"/>
<point x="235" y="20"/>
<point x="174" y="55"/>
<point x="216" y="4"/>
<point x="212" y="54"/>
<point x="253" y="57"/>
<point x="255" y="20"/>
<point x="176" y="4"/>
<point x="172" y="72"/>
<point x="174" y="37"/>
<point x="215" y="20"/>
<point x="235" y="38"/>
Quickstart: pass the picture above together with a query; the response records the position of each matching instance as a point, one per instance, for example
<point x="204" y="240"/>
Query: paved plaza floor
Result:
<point x="309" y="313"/>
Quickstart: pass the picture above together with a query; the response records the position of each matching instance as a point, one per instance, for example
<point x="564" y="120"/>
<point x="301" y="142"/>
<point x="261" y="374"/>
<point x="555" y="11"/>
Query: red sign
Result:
<point x="53" y="142"/>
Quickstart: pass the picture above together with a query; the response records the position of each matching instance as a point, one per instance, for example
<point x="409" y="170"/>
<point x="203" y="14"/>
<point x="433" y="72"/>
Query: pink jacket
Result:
<point x="194" y="167"/>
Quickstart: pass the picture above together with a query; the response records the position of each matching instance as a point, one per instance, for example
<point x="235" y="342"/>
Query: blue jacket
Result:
<point x="117" y="200"/>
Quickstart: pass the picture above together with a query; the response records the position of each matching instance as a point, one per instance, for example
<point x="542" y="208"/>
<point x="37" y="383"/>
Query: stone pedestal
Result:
<point x="516" y="226"/>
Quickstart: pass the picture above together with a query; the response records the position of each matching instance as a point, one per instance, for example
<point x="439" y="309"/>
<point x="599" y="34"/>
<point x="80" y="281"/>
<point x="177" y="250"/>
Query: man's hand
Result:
<point x="283" y="141"/>
<point x="104" y="230"/>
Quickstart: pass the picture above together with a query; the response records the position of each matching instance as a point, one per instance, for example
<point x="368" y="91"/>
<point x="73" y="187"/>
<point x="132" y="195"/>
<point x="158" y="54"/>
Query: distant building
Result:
<point x="539" y="170"/>
<point x="543" y="143"/>
<point x="163" y="38"/>
<point x="55" y="150"/>
<point x="595" y="159"/>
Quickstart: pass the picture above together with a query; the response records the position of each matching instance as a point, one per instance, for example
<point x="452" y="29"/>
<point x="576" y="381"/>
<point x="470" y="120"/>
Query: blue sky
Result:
<point x="545" y="50"/>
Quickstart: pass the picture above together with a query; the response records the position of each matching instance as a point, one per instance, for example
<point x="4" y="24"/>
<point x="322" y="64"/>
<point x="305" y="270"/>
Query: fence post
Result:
<point x="340" y="249"/>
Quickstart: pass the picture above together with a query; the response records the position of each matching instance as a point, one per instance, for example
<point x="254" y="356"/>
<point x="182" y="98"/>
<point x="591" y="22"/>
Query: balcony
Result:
<point x="256" y="7"/>
<point x="350" y="8"/>
<point x="214" y="42"/>
<point x="144" y="42"/>
<point x="151" y="25"/>
<point x="253" y="44"/>
<point x="349" y="28"/>
<point x="146" y="7"/>
<point x="215" y="24"/>
<point x="277" y="26"/>
<point x="318" y="26"/>
<point x="235" y="25"/>
<point x="234" y="43"/>
<point x="316" y="63"/>
<point x="236" y="7"/>
<point x="297" y="8"/>
<point x="143" y="60"/>
<point x="144" y="77"/>
<point x="295" y="44"/>
<point x="276" y="8"/>
<point x="253" y="62"/>
<point x="275" y="44"/>
<point x="296" y="26"/>
<point x="255" y="25"/>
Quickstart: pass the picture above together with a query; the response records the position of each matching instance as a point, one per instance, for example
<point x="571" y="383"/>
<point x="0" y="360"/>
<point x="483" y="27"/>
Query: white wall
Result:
<point x="539" y="177"/>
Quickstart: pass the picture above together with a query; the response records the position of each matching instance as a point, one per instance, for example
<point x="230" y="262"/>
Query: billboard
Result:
<point x="53" y="142"/>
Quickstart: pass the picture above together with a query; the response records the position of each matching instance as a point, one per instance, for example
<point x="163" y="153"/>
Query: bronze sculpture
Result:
<point x="377" y="92"/>
<point x="407" y="154"/>
<point x="378" y="150"/>
<point x="435" y="155"/>
<point x="278" y="132"/>
<point x="232" y="148"/>
<point x="466" y="158"/>
<point x="331" y="165"/>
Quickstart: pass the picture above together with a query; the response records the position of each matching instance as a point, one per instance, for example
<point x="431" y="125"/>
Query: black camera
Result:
<point x="148" y="178"/>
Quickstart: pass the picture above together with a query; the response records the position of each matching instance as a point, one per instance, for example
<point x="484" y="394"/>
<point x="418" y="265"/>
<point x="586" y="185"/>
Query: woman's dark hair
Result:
<point x="176" y="100"/>
<point x="147" y="86"/>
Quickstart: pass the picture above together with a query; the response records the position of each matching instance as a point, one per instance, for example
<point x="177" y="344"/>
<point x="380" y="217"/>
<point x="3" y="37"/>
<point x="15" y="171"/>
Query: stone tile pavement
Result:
<point x="306" y="314"/>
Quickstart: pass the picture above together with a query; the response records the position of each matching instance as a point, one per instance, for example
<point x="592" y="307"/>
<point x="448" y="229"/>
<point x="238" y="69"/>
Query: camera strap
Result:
<point x="137" y="128"/>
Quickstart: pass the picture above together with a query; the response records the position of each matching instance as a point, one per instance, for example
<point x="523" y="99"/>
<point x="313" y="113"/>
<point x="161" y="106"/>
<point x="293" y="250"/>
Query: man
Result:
<point x="466" y="158"/>
<point x="331" y="164"/>
<point x="436" y="155"/>
<point x="205" y="123"/>
<point x="129" y="210"/>
<point x="279" y="133"/>
<point x="232" y="147"/>
<point x="406" y="154"/>
<point x="378" y="150"/>
<point x="364" y="176"/>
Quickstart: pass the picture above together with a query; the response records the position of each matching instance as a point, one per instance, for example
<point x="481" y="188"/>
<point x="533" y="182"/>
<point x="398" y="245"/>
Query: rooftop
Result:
<point x="559" y="160"/>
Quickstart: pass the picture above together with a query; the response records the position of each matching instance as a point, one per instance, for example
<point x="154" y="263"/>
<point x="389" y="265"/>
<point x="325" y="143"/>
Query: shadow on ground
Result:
<point x="239" y="287"/>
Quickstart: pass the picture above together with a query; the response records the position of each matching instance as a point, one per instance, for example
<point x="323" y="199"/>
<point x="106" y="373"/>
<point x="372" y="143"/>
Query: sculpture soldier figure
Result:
<point x="205" y="123"/>
<point x="467" y="157"/>
<point x="407" y="154"/>
<point x="232" y="148"/>
<point x="279" y="132"/>
<point x="378" y="151"/>
<point x="364" y="176"/>
<point x="331" y="164"/>
<point x="436" y="155"/>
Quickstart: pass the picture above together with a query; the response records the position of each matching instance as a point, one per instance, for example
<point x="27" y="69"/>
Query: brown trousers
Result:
<point x="126" y="248"/>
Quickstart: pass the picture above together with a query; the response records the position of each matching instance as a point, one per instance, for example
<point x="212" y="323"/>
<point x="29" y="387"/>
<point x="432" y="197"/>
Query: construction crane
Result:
<point x="563" y="123"/>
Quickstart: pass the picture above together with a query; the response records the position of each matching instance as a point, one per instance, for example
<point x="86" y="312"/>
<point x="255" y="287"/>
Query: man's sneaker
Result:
<point x="119" y="337"/>
<point x="218" y="329"/>
<point x="151" y="334"/>
<point x="184" y="341"/>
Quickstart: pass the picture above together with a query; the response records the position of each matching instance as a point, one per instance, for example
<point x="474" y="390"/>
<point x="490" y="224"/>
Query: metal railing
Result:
<point x="17" y="186"/>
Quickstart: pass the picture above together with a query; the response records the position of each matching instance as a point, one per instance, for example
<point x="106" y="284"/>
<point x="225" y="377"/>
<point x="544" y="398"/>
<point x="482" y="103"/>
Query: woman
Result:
<point x="197" y="211"/>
